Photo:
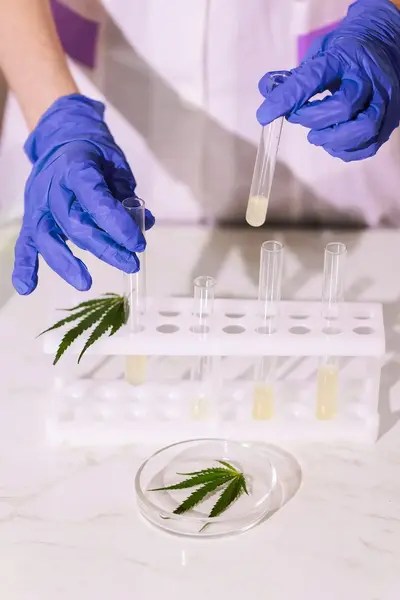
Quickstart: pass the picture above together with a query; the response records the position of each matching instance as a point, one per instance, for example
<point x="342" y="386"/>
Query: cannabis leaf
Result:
<point x="105" y="314"/>
<point x="207" y="482"/>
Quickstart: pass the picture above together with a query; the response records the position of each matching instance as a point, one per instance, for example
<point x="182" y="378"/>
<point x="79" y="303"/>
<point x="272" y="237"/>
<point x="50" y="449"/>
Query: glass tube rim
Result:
<point x="209" y="281"/>
<point x="276" y="249"/>
<point x="140" y="203"/>
<point x="278" y="77"/>
<point x="341" y="249"/>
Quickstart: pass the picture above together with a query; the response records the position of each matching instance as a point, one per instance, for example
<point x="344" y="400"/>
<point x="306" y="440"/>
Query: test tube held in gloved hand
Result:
<point x="270" y="282"/>
<point x="135" y="296"/>
<point x="264" y="168"/>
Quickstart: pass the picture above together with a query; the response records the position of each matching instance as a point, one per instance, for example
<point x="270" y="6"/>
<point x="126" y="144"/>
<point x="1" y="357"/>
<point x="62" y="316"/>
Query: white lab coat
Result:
<point x="180" y="81"/>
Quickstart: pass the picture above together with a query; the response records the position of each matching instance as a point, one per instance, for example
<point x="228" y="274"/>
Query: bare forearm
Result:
<point x="396" y="3"/>
<point x="31" y="56"/>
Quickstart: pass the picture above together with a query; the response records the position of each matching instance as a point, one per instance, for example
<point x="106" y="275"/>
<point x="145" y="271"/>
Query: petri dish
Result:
<point x="163" y="467"/>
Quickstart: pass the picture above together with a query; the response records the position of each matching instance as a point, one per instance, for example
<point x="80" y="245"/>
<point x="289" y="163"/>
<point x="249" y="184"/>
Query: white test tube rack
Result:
<point x="91" y="411"/>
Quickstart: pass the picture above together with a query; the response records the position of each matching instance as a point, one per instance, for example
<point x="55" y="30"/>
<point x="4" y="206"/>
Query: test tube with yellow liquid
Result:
<point x="332" y="299"/>
<point x="264" y="168"/>
<point x="269" y="297"/>
<point x="327" y="390"/>
<point x="135" y="298"/>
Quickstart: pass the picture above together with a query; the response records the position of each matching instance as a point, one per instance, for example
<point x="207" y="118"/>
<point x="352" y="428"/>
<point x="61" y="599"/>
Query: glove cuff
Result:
<point x="69" y="118"/>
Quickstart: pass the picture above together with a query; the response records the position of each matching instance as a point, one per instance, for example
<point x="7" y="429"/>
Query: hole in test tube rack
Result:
<point x="168" y="328"/>
<point x="200" y="329"/>
<point x="234" y="315"/>
<point x="169" y="313"/>
<point x="331" y="330"/>
<point x="363" y="330"/>
<point x="299" y="330"/>
<point x="267" y="329"/>
<point x="362" y="317"/>
<point x="234" y="329"/>
<point x="299" y="317"/>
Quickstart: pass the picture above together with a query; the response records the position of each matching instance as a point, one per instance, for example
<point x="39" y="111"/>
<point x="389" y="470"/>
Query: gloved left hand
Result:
<point x="74" y="192"/>
<point x="359" y="62"/>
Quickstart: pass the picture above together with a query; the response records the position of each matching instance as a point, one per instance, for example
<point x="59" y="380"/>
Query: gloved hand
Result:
<point x="359" y="63"/>
<point x="74" y="192"/>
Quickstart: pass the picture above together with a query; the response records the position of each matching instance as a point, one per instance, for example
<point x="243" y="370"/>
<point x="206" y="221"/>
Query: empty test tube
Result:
<point x="203" y="303"/>
<point x="135" y="294"/>
<point x="333" y="279"/>
<point x="264" y="168"/>
<point x="270" y="283"/>
<point x="202" y="371"/>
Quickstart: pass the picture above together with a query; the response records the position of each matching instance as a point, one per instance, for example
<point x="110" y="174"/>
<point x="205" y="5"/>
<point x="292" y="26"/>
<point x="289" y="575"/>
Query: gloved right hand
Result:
<point x="359" y="62"/>
<point x="74" y="192"/>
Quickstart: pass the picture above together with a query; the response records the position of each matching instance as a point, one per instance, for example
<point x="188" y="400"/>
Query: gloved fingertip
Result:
<point x="22" y="287"/>
<point x="149" y="219"/>
<point x="132" y="266"/>
<point x="136" y="243"/>
<point x="83" y="281"/>
<point x="265" y="115"/>
<point x="314" y="138"/>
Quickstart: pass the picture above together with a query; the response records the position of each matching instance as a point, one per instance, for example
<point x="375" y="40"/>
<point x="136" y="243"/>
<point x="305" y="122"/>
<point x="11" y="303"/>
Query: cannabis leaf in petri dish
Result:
<point x="106" y="314"/>
<point x="225" y="479"/>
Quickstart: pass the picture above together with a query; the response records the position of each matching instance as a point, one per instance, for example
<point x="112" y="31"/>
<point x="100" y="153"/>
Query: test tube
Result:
<point x="327" y="389"/>
<point x="333" y="279"/>
<point x="135" y="297"/>
<point x="202" y="370"/>
<point x="264" y="388"/>
<point x="264" y="168"/>
<point x="203" y="303"/>
<point x="269" y="296"/>
<point x="270" y="283"/>
<point x="332" y="298"/>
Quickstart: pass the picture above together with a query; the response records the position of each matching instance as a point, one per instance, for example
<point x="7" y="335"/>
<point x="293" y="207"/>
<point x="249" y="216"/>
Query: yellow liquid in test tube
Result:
<point x="200" y="408"/>
<point x="257" y="210"/>
<point x="327" y="392"/>
<point x="136" y="369"/>
<point x="263" y="402"/>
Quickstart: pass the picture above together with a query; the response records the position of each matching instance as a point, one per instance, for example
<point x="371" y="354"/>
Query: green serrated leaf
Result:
<point x="76" y="331"/>
<point x="197" y="496"/>
<point x="244" y="485"/>
<point x="119" y="318"/>
<point x="88" y="304"/>
<point x="196" y="480"/>
<point x="210" y="470"/>
<point x="231" y="493"/>
<point x="229" y="466"/>
<point x="69" y="319"/>
<point x="106" y="322"/>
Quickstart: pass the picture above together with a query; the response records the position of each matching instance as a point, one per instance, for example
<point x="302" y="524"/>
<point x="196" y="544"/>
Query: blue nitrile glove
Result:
<point x="359" y="63"/>
<point x="74" y="192"/>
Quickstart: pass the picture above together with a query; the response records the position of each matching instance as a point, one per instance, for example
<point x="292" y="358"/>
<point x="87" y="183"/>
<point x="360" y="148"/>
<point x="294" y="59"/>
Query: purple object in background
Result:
<point x="78" y="35"/>
<point x="305" y="41"/>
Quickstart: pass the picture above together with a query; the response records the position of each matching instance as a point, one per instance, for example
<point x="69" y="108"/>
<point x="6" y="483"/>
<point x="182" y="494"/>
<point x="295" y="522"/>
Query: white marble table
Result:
<point x="69" y="528"/>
